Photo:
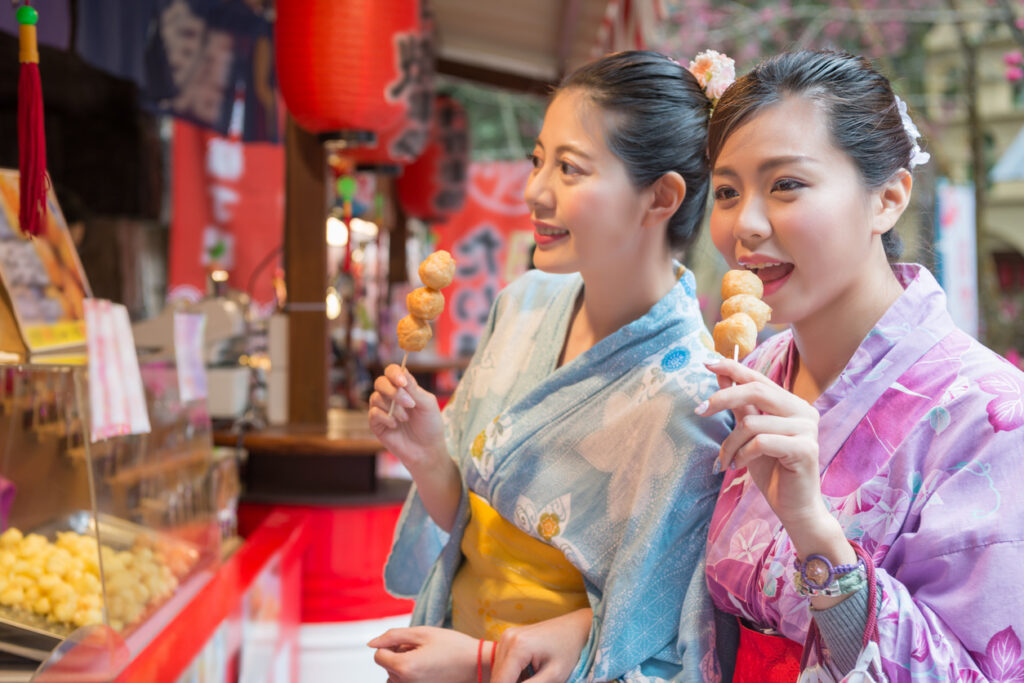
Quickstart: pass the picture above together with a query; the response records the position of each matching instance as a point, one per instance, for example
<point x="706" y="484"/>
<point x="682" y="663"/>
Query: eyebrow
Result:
<point x="766" y="165"/>
<point x="566" y="148"/>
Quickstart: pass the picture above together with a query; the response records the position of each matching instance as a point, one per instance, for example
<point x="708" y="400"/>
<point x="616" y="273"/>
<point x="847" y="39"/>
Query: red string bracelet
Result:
<point x="480" y="662"/>
<point x="494" y="649"/>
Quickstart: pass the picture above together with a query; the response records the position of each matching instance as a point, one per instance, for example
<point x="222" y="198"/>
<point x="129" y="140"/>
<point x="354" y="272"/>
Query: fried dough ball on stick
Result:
<point x="737" y="332"/>
<point x="413" y="333"/>
<point x="424" y="303"/>
<point x="741" y="282"/>
<point x="437" y="270"/>
<point x="743" y="313"/>
<point x="758" y="310"/>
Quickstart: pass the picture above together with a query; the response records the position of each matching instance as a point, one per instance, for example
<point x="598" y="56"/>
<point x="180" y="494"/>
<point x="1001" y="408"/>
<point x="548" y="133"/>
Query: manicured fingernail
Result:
<point x="717" y="466"/>
<point x="713" y="363"/>
<point x="732" y="465"/>
<point x="702" y="408"/>
<point x="406" y="400"/>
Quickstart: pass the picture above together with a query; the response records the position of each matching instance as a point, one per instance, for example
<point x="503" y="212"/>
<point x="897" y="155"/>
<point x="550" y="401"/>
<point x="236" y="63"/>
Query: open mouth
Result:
<point x="770" y="272"/>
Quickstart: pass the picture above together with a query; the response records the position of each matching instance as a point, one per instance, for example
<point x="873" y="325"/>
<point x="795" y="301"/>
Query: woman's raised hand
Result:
<point x="775" y="438"/>
<point x="413" y="432"/>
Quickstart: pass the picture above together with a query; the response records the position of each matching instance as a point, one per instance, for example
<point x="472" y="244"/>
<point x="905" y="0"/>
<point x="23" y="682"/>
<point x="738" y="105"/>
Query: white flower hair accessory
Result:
<point x="715" y="71"/>
<point x="917" y="156"/>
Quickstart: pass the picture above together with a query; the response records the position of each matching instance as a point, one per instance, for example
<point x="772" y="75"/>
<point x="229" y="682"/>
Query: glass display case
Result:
<point x="115" y="535"/>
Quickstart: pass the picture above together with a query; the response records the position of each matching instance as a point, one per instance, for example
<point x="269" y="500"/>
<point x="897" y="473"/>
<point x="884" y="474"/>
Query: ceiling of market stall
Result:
<point x="519" y="44"/>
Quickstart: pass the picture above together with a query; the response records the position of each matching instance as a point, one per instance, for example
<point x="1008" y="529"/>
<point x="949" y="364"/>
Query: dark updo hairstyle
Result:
<point x="863" y="116"/>
<point x="659" y="124"/>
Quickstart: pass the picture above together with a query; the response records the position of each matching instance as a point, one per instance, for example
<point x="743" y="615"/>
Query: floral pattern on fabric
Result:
<point x="603" y="459"/>
<point x="1006" y="411"/>
<point x="922" y="458"/>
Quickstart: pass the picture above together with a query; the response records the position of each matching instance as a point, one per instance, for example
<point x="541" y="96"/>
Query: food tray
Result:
<point x="31" y="635"/>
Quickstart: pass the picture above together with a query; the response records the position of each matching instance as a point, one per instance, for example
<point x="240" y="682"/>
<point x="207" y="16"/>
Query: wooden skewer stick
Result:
<point x="735" y="356"/>
<point x="392" y="408"/>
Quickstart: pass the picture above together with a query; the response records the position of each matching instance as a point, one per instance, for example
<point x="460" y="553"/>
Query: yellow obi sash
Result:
<point x="509" y="578"/>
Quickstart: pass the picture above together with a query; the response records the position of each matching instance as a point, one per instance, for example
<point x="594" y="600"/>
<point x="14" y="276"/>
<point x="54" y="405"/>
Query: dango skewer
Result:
<point x="424" y="304"/>
<point x="744" y="314"/>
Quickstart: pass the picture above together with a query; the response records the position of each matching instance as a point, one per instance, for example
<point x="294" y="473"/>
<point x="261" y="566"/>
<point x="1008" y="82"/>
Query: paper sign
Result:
<point x="189" y="330"/>
<point x="117" y="402"/>
<point x="43" y="276"/>
<point x="130" y="377"/>
<point x="955" y="244"/>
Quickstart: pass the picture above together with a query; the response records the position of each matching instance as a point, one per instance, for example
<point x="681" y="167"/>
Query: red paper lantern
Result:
<point x="433" y="187"/>
<point x="347" y="65"/>
<point x="403" y="144"/>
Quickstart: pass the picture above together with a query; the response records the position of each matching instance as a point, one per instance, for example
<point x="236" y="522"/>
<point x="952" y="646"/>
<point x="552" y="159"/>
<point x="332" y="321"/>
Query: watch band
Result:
<point x="844" y="584"/>
<point x="818" y="573"/>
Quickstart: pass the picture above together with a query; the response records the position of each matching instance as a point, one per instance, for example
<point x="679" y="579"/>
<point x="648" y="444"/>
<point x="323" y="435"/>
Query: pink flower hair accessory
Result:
<point x="715" y="71"/>
<point x="917" y="156"/>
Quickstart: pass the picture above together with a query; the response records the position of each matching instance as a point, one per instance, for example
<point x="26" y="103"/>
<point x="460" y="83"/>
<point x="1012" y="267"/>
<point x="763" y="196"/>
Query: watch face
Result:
<point x="816" y="572"/>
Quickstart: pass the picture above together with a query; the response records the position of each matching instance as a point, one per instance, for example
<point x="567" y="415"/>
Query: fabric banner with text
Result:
<point x="227" y="212"/>
<point x="490" y="239"/>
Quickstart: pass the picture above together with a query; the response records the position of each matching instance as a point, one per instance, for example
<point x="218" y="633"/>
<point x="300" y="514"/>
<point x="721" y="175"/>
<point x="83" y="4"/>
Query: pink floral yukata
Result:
<point x="922" y="462"/>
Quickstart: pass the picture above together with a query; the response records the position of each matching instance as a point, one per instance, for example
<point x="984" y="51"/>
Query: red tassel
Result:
<point x="31" y="139"/>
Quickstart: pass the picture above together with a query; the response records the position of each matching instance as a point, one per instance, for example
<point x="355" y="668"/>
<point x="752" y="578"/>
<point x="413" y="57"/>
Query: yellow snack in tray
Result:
<point x="7" y="559"/>
<point x="42" y="605"/>
<point x="10" y="537"/>
<point x="12" y="596"/>
<point x="61" y="580"/>
<point x="63" y="611"/>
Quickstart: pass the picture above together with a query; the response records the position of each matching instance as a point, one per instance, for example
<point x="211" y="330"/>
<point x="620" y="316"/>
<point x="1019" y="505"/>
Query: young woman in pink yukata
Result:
<point x="873" y="502"/>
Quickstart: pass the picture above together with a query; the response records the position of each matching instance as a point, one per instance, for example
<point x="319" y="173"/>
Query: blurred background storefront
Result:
<point x="277" y="170"/>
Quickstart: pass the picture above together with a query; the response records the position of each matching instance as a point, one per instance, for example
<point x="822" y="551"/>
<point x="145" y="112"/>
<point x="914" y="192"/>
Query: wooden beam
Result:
<point x="305" y="258"/>
<point x="567" y="33"/>
<point x="500" y="79"/>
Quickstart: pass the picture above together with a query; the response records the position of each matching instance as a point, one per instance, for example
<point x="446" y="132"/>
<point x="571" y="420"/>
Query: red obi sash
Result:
<point x="764" y="658"/>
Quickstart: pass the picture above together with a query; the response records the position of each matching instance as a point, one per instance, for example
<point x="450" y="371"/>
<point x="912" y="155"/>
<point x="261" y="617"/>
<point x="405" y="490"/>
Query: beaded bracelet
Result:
<point x="844" y="584"/>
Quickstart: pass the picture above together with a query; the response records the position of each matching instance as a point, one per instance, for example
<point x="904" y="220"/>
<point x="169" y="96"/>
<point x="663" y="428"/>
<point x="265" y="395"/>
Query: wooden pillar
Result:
<point x="305" y="259"/>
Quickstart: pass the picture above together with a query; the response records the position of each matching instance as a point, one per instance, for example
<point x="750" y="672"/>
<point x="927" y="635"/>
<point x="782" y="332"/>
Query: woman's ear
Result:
<point x="891" y="201"/>
<point x="667" y="193"/>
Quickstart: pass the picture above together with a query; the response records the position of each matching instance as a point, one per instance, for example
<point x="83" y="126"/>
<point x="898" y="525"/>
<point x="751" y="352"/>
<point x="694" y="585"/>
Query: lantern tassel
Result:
<point x="31" y="138"/>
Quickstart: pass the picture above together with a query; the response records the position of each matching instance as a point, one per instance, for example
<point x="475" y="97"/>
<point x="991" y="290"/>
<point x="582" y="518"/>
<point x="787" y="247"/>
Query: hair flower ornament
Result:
<point x="715" y="71"/>
<point x="917" y="155"/>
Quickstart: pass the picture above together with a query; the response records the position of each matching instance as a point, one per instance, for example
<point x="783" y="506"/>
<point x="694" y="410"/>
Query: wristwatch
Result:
<point x="817" y="576"/>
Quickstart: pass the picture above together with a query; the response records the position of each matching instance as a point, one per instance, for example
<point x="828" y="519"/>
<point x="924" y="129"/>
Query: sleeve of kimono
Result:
<point x="418" y="541"/>
<point x="842" y="628"/>
<point x="952" y="602"/>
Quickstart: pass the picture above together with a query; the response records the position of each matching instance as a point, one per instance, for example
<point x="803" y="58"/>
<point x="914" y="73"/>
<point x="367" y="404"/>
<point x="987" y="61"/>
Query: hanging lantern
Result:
<point x="396" y="147"/>
<point x="347" y="65"/>
<point x="434" y="186"/>
<point x="402" y="144"/>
